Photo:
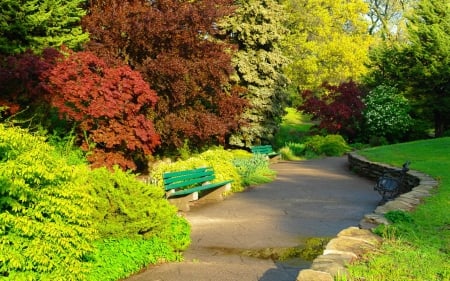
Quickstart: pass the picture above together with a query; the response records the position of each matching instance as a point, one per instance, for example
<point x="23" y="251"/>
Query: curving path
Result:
<point x="314" y="198"/>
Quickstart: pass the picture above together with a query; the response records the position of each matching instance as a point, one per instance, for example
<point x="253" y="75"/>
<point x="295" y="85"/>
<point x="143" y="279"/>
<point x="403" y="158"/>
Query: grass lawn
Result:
<point x="293" y="128"/>
<point x="417" y="246"/>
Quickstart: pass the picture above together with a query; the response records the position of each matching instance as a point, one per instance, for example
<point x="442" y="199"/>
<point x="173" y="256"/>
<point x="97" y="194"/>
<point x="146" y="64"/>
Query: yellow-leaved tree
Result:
<point x="328" y="42"/>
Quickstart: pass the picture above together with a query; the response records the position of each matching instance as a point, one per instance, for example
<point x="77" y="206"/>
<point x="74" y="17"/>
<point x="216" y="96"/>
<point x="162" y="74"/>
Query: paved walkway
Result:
<point x="314" y="198"/>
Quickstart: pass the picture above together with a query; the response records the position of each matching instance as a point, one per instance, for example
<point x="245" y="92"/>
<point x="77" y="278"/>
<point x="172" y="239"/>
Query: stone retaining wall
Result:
<point x="353" y="242"/>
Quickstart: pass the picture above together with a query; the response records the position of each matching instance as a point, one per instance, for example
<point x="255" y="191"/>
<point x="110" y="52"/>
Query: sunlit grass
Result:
<point x="293" y="129"/>
<point x="417" y="249"/>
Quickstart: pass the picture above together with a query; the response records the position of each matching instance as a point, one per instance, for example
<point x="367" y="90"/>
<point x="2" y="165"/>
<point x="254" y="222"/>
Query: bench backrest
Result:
<point x="173" y="180"/>
<point x="262" y="149"/>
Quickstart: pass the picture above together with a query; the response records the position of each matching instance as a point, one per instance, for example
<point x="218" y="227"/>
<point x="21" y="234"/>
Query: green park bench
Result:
<point x="265" y="150"/>
<point x="183" y="187"/>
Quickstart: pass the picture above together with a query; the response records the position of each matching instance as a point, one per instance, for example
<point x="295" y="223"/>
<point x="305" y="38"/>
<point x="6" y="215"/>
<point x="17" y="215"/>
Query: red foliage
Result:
<point x="20" y="79"/>
<point x="171" y="43"/>
<point x="338" y="108"/>
<point x="110" y="105"/>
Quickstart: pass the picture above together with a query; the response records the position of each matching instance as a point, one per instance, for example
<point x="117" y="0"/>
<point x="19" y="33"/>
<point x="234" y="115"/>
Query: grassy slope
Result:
<point x="417" y="248"/>
<point x="292" y="129"/>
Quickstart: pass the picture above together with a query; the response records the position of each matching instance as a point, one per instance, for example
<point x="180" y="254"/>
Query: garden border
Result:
<point x="353" y="242"/>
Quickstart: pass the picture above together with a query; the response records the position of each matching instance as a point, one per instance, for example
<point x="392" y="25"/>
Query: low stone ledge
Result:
<point x="418" y="186"/>
<point x="349" y="245"/>
<point x="314" y="275"/>
<point x="353" y="242"/>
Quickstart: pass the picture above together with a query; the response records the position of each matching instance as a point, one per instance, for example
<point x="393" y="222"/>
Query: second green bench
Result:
<point x="266" y="150"/>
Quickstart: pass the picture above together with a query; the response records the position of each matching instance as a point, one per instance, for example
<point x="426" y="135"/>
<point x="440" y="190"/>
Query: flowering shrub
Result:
<point x="386" y="113"/>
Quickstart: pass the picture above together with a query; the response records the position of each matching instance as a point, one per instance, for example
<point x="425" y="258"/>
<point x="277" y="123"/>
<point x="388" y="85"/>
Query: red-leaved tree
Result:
<point x="20" y="79"/>
<point x="111" y="106"/>
<point x="337" y="108"/>
<point x="172" y="44"/>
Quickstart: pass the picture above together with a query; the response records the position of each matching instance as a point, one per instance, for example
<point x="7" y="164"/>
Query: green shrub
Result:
<point x="296" y="148"/>
<point x="288" y="154"/>
<point x="218" y="158"/>
<point x="330" y="145"/>
<point x="241" y="153"/>
<point x="254" y="170"/>
<point x="45" y="211"/>
<point x="65" y="148"/>
<point x="377" y="141"/>
<point x="129" y="208"/>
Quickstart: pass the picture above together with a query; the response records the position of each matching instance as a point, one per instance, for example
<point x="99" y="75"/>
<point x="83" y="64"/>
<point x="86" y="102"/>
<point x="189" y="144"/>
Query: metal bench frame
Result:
<point x="389" y="184"/>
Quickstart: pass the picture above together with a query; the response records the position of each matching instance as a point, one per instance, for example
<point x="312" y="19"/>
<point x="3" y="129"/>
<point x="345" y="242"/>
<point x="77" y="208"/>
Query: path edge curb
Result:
<point x="355" y="241"/>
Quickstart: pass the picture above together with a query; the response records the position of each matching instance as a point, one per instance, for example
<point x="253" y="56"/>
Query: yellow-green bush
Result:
<point x="330" y="145"/>
<point x="219" y="159"/>
<point x="45" y="211"/>
<point x="129" y="208"/>
<point x="57" y="220"/>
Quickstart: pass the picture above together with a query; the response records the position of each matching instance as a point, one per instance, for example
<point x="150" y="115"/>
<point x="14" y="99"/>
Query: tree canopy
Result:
<point x="328" y="41"/>
<point x="172" y="44"/>
<point x="420" y="67"/>
<point x="388" y="18"/>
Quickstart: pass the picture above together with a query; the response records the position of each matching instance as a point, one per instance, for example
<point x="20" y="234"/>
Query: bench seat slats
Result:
<point x="198" y="188"/>
<point x="264" y="149"/>
<point x="183" y="187"/>
<point x="186" y="181"/>
<point x="186" y="172"/>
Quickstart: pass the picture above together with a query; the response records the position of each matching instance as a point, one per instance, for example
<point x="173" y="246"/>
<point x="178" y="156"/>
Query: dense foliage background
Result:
<point x="106" y="89"/>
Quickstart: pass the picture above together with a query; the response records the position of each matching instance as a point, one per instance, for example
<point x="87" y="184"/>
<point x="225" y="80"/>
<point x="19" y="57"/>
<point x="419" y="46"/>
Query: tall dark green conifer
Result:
<point x="427" y="61"/>
<point x="37" y="24"/>
<point x="420" y="67"/>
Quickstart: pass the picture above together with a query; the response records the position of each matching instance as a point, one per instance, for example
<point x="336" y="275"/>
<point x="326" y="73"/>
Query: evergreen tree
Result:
<point x="427" y="58"/>
<point x="420" y="67"/>
<point x="256" y="27"/>
<point x="37" y="24"/>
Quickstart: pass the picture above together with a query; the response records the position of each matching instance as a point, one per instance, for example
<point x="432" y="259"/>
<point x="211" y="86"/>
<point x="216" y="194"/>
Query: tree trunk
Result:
<point x="439" y="124"/>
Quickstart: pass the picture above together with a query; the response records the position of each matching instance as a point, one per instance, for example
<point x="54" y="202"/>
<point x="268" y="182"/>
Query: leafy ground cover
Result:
<point x="417" y="244"/>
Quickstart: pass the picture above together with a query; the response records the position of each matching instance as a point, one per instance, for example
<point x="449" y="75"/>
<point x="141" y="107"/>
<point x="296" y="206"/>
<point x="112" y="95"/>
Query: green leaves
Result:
<point x="44" y="211"/>
<point x="328" y="41"/>
<point x="420" y="67"/>
<point x="129" y="208"/>
<point x="35" y="25"/>
<point x="51" y="213"/>
<point x="256" y="27"/>
<point x="115" y="259"/>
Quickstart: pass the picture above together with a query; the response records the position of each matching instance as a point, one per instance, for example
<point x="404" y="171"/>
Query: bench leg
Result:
<point x="216" y="194"/>
<point x="182" y="203"/>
